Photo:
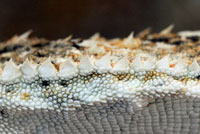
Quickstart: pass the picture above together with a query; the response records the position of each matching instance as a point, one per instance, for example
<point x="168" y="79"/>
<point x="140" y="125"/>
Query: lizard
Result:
<point x="145" y="84"/>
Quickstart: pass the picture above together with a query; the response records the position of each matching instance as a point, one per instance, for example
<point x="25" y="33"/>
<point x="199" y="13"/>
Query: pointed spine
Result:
<point x="167" y="30"/>
<point x="24" y="36"/>
<point x="86" y="65"/>
<point x="104" y="64"/>
<point x="180" y="66"/>
<point x="87" y="43"/>
<point x="28" y="69"/>
<point x="149" y="64"/>
<point x="194" y="67"/>
<point x="136" y="64"/>
<point x="129" y="39"/>
<point x="67" y="69"/>
<point x="163" y="63"/>
<point x="47" y="69"/>
<point x="10" y="72"/>
<point x="122" y="65"/>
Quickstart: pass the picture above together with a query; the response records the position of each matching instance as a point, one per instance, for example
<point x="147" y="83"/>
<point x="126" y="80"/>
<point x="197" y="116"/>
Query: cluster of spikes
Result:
<point x="68" y="69"/>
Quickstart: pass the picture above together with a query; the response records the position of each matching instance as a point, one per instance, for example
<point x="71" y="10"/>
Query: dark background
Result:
<point x="112" y="18"/>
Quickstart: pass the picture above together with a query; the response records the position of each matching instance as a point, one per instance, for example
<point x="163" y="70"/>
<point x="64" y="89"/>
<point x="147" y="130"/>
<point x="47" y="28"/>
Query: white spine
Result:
<point x="104" y="64"/>
<point x="136" y="64"/>
<point x="68" y="69"/>
<point x="149" y="64"/>
<point x="163" y="64"/>
<point x="10" y="72"/>
<point x="29" y="70"/>
<point x="86" y="65"/>
<point x="47" y="70"/>
<point x="122" y="65"/>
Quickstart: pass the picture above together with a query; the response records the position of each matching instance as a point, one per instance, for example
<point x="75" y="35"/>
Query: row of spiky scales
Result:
<point x="87" y="65"/>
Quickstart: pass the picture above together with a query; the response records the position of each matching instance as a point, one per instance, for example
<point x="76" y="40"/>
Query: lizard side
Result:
<point x="144" y="84"/>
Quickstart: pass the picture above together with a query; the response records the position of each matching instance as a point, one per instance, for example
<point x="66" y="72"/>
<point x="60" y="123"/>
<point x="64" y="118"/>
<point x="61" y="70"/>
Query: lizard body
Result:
<point x="147" y="84"/>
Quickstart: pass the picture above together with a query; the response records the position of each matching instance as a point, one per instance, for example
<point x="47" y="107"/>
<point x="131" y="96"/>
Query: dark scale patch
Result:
<point x="191" y="56"/>
<point x="163" y="39"/>
<point x="4" y="59"/>
<point x="41" y="45"/>
<point x="75" y="44"/>
<point x="39" y="54"/>
<point x="178" y="42"/>
<point x="3" y="113"/>
<point x="61" y="46"/>
<point x="198" y="77"/>
<point x="8" y="90"/>
<point x="193" y="38"/>
<point x="10" y="48"/>
<point x="63" y="83"/>
<point x="45" y="83"/>
<point x="27" y="49"/>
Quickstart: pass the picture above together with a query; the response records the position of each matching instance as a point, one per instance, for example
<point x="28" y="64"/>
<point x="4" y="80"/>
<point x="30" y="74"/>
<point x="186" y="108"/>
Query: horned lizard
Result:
<point x="145" y="84"/>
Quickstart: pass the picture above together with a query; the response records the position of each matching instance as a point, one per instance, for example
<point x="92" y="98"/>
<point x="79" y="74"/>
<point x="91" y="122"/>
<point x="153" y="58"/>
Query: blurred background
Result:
<point x="54" y="19"/>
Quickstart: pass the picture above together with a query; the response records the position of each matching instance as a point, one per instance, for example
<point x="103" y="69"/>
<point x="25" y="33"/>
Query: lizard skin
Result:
<point x="145" y="84"/>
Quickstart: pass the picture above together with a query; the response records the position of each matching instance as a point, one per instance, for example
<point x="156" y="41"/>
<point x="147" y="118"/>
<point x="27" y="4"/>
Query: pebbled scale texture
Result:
<point x="143" y="84"/>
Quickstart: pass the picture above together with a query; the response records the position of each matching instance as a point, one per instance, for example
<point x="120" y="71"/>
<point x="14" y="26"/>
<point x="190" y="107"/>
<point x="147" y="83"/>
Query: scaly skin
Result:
<point x="105" y="86"/>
